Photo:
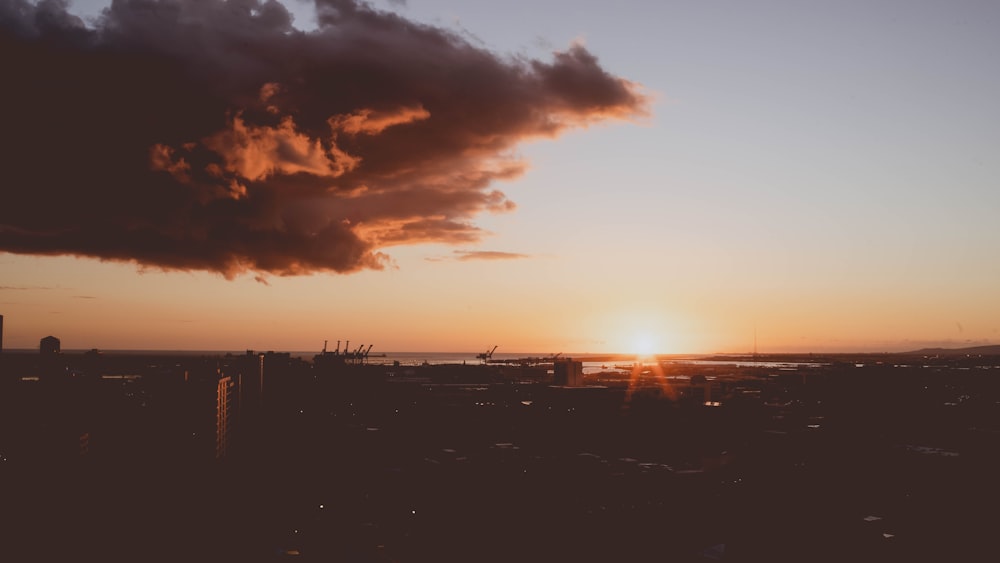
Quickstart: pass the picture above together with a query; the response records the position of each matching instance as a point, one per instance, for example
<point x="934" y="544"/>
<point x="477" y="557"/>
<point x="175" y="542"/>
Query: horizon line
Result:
<point x="749" y="353"/>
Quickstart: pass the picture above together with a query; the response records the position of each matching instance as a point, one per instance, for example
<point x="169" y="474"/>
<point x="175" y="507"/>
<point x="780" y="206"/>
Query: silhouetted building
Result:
<point x="84" y="444"/>
<point x="49" y="346"/>
<point x="223" y="416"/>
<point x="249" y="374"/>
<point x="568" y="372"/>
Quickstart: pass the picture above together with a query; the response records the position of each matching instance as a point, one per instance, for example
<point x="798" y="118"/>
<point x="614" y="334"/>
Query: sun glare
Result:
<point x="645" y="344"/>
<point x="643" y="332"/>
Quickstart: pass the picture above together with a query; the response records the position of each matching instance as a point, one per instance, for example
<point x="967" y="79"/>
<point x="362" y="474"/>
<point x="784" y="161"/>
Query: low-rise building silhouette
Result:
<point x="568" y="372"/>
<point x="49" y="346"/>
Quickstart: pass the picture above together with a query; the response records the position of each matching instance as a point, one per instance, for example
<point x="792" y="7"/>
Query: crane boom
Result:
<point x="485" y="356"/>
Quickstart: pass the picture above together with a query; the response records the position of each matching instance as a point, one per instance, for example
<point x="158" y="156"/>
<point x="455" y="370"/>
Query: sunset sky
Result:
<point x="545" y="176"/>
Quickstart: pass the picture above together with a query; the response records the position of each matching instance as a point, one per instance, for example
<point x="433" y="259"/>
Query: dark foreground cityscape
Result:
<point x="338" y="457"/>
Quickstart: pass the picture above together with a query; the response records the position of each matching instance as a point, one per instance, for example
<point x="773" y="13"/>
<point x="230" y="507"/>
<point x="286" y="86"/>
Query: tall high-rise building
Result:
<point x="223" y="415"/>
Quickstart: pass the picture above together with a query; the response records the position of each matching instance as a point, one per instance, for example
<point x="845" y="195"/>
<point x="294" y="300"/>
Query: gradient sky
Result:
<point x="821" y="174"/>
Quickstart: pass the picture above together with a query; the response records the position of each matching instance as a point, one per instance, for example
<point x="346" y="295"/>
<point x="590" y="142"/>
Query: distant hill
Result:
<point x="991" y="350"/>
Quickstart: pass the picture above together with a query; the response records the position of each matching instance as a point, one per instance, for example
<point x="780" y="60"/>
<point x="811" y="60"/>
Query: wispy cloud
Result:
<point x="466" y="255"/>
<point x="215" y="136"/>
<point x="469" y="255"/>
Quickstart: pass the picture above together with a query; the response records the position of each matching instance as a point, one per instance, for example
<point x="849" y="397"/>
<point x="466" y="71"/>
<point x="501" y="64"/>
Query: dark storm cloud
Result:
<point x="212" y="135"/>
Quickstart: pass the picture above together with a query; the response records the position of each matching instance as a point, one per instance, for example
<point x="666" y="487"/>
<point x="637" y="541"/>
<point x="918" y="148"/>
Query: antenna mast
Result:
<point x="755" y="344"/>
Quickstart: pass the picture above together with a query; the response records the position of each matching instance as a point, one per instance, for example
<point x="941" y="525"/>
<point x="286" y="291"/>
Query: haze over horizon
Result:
<point x="661" y="177"/>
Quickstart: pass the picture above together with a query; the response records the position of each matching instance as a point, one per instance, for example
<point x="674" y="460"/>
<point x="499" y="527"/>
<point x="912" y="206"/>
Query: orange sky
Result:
<point x="677" y="182"/>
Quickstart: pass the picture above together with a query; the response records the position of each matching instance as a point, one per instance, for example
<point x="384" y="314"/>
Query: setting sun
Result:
<point x="646" y="344"/>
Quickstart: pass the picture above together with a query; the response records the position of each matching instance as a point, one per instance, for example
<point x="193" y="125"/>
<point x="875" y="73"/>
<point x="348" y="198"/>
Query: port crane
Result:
<point x="348" y="356"/>
<point x="485" y="356"/>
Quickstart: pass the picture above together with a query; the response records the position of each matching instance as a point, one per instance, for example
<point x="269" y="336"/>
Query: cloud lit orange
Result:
<point x="233" y="142"/>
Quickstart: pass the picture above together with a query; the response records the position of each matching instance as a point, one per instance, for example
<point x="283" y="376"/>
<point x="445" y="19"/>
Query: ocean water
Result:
<point x="469" y="358"/>
<point x="592" y="362"/>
